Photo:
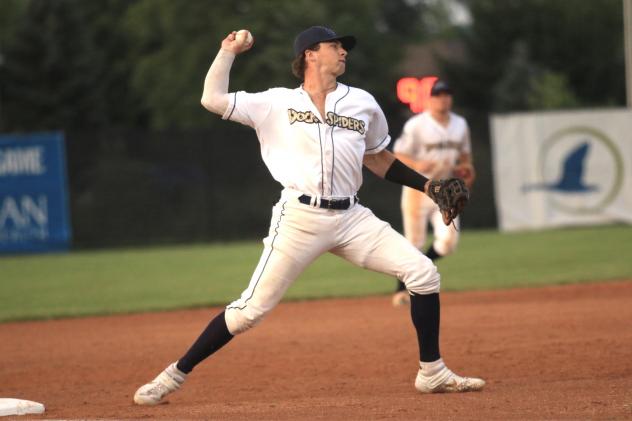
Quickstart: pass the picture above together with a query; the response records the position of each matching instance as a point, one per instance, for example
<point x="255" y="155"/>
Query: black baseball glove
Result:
<point x="451" y="195"/>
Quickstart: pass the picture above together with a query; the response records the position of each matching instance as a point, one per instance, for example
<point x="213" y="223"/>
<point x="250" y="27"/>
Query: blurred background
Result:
<point x="121" y="81"/>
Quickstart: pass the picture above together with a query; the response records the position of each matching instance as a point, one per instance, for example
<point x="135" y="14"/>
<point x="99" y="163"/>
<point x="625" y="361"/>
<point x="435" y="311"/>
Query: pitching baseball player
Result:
<point x="435" y="143"/>
<point x="314" y="140"/>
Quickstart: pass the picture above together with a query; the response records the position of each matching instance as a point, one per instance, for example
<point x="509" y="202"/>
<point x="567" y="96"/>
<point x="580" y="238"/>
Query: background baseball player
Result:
<point x="314" y="140"/>
<point x="437" y="144"/>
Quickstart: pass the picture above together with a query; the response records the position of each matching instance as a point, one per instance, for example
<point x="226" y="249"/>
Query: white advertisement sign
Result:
<point x="562" y="168"/>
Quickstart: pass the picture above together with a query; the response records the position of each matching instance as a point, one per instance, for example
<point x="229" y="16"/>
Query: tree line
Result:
<point x="74" y="64"/>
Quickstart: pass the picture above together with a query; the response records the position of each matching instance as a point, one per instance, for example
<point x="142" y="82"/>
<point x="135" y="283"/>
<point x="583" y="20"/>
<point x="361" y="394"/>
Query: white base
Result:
<point x="9" y="406"/>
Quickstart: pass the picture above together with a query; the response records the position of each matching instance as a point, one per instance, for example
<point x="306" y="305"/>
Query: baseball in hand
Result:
<point x="243" y="37"/>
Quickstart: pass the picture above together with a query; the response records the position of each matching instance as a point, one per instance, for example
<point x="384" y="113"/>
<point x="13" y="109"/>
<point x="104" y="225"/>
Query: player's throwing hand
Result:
<point x="238" y="41"/>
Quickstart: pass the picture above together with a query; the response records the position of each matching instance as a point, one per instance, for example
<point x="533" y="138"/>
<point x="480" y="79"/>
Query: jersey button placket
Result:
<point x="327" y="159"/>
<point x="321" y="158"/>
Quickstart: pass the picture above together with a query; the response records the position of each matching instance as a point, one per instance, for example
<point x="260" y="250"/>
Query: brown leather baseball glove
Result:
<point x="451" y="195"/>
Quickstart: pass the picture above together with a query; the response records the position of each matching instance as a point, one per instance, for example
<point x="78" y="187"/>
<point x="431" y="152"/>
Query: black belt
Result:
<point x="338" y="204"/>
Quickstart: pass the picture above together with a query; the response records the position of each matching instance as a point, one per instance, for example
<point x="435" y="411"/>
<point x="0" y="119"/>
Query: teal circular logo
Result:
<point x="582" y="170"/>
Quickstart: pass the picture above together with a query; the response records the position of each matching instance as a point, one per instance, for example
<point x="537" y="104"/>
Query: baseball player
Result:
<point x="435" y="143"/>
<point x="314" y="139"/>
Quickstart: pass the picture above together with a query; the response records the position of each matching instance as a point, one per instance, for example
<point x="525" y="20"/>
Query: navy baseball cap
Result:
<point x="440" y="86"/>
<point x="317" y="34"/>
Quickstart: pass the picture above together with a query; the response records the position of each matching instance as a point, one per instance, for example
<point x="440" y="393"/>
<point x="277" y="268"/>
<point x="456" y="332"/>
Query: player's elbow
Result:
<point x="379" y="163"/>
<point x="371" y="163"/>
<point x="207" y="103"/>
<point x="215" y="103"/>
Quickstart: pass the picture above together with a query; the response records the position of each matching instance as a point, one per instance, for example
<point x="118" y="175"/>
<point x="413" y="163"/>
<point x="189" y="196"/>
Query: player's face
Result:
<point x="441" y="103"/>
<point x="333" y="57"/>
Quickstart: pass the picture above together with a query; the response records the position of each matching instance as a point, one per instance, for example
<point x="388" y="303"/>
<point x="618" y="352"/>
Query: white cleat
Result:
<point x="445" y="381"/>
<point x="168" y="381"/>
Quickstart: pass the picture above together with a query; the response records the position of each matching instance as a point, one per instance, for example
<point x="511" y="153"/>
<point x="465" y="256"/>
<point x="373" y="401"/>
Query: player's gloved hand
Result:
<point x="451" y="195"/>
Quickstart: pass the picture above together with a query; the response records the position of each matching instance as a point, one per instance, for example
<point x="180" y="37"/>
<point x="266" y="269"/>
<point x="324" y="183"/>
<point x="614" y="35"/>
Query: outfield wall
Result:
<point x="133" y="187"/>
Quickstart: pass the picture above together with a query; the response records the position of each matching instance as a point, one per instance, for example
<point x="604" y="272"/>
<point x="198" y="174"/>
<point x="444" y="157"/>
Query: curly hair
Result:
<point x="299" y="65"/>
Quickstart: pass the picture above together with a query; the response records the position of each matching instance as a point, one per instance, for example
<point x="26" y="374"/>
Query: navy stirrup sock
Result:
<point x="215" y="336"/>
<point x="425" y="312"/>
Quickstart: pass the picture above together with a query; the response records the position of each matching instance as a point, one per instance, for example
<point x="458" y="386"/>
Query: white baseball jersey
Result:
<point x="423" y="138"/>
<point x="314" y="154"/>
<point x="320" y="156"/>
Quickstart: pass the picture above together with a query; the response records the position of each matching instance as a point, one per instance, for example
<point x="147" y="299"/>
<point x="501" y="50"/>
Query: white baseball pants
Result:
<point x="300" y="233"/>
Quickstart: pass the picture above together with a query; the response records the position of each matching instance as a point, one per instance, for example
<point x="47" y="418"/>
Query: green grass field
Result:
<point x="133" y="280"/>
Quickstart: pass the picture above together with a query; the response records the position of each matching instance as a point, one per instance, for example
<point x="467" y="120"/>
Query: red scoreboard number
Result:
<point x="415" y="92"/>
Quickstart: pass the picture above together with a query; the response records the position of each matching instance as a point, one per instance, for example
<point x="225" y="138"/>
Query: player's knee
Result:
<point x="423" y="277"/>
<point x="240" y="320"/>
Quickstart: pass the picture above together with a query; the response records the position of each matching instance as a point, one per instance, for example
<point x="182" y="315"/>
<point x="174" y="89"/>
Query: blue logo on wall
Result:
<point x="573" y="168"/>
<point x="581" y="170"/>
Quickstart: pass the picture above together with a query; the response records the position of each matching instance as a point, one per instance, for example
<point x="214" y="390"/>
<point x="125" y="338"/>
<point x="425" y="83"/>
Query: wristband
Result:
<point x="401" y="174"/>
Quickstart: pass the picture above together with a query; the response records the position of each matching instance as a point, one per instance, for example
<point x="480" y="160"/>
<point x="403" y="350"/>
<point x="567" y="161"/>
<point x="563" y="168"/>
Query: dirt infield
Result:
<point x="549" y="353"/>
